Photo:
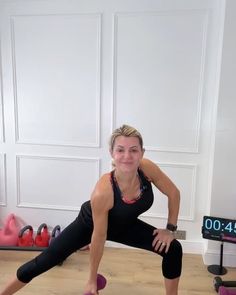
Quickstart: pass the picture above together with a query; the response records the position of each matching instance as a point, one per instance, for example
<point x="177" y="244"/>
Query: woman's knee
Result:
<point x="172" y="261"/>
<point x="25" y="272"/>
<point x="176" y="248"/>
<point x="46" y="260"/>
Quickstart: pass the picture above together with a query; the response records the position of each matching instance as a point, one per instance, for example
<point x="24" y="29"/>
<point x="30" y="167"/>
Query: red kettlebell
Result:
<point x="42" y="237"/>
<point x="55" y="232"/>
<point x="25" y="237"/>
<point x="9" y="232"/>
<point x="101" y="283"/>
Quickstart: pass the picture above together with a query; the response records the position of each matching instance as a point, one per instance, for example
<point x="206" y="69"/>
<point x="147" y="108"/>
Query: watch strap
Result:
<point x="171" y="227"/>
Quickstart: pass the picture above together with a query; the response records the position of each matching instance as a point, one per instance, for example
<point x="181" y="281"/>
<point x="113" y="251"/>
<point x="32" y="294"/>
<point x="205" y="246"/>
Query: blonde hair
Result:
<point x="125" y="130"/>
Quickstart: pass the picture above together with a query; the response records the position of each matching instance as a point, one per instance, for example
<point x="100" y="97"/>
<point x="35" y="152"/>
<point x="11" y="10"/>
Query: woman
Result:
<point x="117" y="200"/>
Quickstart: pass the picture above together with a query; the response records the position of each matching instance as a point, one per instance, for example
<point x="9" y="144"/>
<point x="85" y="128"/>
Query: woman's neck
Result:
<point x="125" y="180"/>
<point x="129" y="184"/>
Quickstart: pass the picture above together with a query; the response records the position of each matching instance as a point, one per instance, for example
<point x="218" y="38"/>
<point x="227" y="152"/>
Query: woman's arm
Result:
<point x="168" y="188"/>
<point x="165" y="185"/>
<point x="101" y="202"/>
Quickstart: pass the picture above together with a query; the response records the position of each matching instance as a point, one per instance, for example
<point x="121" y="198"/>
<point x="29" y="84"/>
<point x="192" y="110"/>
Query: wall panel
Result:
<point x="2" y="128"/>
<point x="56" y="63"/>
<point x="59" y="183"/>
<point x="159" y="61"/>
<point x="3" y="192"/>
<point x="184" y="176"/>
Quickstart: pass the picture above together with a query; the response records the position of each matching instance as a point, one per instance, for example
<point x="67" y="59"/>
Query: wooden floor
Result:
<point x="128" y="271"/>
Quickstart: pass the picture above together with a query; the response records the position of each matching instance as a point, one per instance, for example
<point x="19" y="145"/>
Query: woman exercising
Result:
<point x="117" y="200"/>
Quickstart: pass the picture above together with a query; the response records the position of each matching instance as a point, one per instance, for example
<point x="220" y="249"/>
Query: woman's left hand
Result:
<point x="162" y="239"/>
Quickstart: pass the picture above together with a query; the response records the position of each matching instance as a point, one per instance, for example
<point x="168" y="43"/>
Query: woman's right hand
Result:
<point x="91" y="288"/>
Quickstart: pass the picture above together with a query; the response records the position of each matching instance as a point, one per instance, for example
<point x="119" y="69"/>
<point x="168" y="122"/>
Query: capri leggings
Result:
<point x="78" y="234"/>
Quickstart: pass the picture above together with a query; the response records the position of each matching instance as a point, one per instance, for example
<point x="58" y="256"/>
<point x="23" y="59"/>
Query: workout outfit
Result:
<point x="123" y="227"/>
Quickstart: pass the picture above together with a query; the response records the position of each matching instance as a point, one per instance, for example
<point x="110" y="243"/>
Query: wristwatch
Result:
<point x="171" y="227"/>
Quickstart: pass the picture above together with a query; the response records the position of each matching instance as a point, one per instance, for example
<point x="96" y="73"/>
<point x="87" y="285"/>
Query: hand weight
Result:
<point x="25" y="237"/>
<point x="225" y="291"/>
<point x="42" y="237"/>
<point x="101" y="283"/>
<point x="218" y="282"/>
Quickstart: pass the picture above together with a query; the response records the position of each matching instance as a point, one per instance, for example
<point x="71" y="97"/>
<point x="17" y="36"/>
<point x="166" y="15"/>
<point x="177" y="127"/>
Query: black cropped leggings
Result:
<point x="78" y="234"/>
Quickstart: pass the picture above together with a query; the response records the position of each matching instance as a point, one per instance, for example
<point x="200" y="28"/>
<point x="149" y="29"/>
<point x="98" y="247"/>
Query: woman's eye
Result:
<point x="134" y="151"/>
<point x="119" y="150"/>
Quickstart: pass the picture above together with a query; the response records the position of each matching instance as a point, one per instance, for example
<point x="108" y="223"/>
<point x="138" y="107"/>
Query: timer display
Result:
<point x="220" y="229"/>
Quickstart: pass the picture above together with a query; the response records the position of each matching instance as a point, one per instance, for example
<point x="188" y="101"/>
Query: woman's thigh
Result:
<point x="138" y="235"/>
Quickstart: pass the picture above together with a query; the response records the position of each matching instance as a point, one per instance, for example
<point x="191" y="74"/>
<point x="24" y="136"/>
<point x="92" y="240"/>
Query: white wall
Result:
<point x="71" y="71"/>
<point x="223" y="199"/>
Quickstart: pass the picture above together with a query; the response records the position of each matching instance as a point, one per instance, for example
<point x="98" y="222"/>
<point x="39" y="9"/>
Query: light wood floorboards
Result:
<point x="128" y="271"/>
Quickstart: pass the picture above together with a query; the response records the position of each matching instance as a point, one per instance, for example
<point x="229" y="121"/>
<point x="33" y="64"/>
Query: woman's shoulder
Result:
<point x="149" y="168"/>
<point x="105" y="178"/>
<point x="146" y="164"/>
<point x="103" y="186"/>
<point x="102" y="193"/>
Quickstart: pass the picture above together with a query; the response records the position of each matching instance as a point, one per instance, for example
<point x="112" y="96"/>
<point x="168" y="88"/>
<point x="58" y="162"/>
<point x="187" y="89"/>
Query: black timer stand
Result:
<point x="218" y="269"/>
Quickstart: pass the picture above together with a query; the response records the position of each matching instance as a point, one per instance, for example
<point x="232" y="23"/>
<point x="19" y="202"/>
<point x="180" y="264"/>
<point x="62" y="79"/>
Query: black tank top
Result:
<point x="122" y="213"/>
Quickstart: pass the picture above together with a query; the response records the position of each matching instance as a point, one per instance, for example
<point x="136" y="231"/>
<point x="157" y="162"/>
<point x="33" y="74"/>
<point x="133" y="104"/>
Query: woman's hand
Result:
<point x="162" y="239"/>
<point x="91" y="288"/>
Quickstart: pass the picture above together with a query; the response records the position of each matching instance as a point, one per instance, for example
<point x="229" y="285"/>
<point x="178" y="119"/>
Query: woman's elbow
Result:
<point x="176" y="194"/>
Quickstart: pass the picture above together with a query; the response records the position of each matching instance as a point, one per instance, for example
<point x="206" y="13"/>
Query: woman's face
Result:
<point x="127" y="153"/>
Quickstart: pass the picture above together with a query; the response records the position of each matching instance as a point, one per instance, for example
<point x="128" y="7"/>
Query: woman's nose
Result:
<point x="127" y="154"/>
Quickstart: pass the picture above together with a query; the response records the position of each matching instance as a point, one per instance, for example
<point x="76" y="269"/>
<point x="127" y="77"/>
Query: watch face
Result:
<point x="220" y="229"/>
<point x="171" y="227"/>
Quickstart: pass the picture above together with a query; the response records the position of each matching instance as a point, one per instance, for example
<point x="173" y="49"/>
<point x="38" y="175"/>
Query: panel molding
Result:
<point x="3" y="180"/>
<point x="22" y="204"/>
<point x="2" y="123"/>
<point x="97" y="142"/>
<point x="193" y="247"/>
<point x="193" y="168"/>
<point x="205" y="13"/>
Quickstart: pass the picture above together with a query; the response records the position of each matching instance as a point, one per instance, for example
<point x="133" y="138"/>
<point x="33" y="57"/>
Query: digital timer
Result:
<point x="220" y="229"/>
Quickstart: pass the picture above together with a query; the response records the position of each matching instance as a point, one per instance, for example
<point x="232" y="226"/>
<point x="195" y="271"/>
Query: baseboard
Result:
<point x="213" y="257"/>
<point x="191" y="247"/>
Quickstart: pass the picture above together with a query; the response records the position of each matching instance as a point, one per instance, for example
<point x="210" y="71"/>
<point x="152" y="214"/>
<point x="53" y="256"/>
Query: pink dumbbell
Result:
<point x="101" y="283"/>
<point x="225" y="291"/>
